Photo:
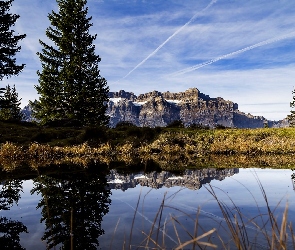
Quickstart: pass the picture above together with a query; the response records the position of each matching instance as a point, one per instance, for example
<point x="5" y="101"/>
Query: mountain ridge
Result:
<point x="191" y="107"/>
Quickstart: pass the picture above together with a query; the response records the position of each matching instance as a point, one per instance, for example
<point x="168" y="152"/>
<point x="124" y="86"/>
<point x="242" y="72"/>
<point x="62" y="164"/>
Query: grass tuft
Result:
<point x="264" y="231"/>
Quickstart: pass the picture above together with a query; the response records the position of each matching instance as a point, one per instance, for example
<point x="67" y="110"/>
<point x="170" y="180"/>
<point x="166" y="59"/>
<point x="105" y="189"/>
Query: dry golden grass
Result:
<point x="253" y="141"/>
<point x="10" y="151"/>
<point x="173" y="150"/>
<point x="43" y="152"/>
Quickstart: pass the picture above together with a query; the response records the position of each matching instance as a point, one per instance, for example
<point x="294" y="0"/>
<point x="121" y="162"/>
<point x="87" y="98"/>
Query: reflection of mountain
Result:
<point x="192" y="179"/>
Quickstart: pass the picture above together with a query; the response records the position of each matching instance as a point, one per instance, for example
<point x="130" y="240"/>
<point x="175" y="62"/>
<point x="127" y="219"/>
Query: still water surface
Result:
<point x="100" y="209"/>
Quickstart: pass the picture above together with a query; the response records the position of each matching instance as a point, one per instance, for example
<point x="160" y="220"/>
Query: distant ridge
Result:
<point x="191" y="107"/>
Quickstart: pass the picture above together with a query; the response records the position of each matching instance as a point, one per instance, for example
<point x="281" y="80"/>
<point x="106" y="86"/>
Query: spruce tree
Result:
<point x="11" y="110"/>
<point x="70" y="85"/>
<point x="8" y="42"/>
<point x="8" y="45"/>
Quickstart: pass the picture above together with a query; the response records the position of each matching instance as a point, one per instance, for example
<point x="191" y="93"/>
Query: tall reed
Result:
<point x="263" y="231"/>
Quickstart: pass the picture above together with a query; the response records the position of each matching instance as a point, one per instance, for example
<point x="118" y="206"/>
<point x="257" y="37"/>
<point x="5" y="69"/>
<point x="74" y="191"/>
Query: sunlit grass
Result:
<point x="171" y="149"/>
<point x="253" y="141"/>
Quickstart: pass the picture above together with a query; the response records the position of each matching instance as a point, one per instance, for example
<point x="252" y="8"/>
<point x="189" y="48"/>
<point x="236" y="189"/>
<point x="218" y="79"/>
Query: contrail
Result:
<point x="197" y="66"/>
<point x="169" y="38"/>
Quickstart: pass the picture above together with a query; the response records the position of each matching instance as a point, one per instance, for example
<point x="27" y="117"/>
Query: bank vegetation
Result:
<point x="170" y="148"/>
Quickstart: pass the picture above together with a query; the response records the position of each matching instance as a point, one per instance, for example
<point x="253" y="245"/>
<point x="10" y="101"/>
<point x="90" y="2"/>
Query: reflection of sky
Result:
<point x="277" y="184"/>
<point x="242" y="188"/>
<point x="27" y="213"/>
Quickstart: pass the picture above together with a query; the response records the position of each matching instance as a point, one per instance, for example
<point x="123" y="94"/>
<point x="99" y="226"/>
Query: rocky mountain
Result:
<point x="156" y="109"/>
<point x="27" y="113"/>
<point x="191" y="107"/>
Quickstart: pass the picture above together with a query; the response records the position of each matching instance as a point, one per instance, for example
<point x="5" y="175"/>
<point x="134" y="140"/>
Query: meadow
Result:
<point x="169" y="148"/>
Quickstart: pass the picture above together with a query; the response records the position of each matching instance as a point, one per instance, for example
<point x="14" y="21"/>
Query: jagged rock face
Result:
<point x="157" y="112"/>
<point x="123" y="110"/>
<point x="209" y="113"/>
<point x="27" y="114"/>
<point x="189" y="96"/>
<point x="122" y="94"/>
<point x="191" y="107"/>
<point x="156" y="109"/>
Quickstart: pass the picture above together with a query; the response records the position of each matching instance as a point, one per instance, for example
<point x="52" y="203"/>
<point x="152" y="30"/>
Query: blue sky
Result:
<point x="240" y="50"/>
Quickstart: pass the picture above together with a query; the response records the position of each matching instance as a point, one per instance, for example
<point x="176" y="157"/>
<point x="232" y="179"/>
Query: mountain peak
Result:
<point x="191" y="107"/>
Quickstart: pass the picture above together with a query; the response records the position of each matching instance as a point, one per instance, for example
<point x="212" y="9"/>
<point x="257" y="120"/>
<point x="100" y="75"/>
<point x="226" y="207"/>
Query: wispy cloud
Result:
<point x="263" y="43"/>
<point x="170" y="37"/>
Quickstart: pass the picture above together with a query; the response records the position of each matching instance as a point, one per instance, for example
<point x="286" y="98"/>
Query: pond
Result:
<point x="112" y="209"/>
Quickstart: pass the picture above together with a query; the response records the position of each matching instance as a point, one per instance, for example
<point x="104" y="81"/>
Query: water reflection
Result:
<point x="240" y="193"/>
<point x="72" y="205"/>
<point x="191" y="179"/>
<point x="10" y="230"/>
<point x="73" y="200"/>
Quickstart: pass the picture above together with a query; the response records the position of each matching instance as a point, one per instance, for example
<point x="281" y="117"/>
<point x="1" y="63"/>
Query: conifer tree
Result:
<point x="70" y="85"/>
<point x="8" y="45"/>
<point x="11" y="110"/>
<point x="8" y="42"/>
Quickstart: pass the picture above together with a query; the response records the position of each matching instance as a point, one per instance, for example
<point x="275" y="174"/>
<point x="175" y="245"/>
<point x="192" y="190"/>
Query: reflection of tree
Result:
<point x="72" y="207"/>
<point x="10" y="229"/>
<point x="10" y="193"/>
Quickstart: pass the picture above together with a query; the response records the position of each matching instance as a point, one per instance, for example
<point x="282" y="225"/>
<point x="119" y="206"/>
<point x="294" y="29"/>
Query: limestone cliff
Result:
<point x="191" y="107"/>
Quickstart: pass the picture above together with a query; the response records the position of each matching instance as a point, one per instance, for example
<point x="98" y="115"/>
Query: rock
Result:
<point x="191" y="107"/>
<point x="156" y="109"/>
